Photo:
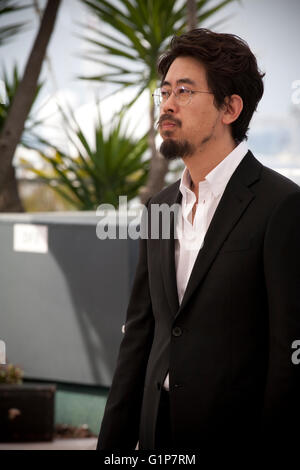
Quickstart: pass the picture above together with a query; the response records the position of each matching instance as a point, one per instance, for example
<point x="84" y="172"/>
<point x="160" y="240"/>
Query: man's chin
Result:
<point x="168" y="149"/>
<point x="172" y="149"/>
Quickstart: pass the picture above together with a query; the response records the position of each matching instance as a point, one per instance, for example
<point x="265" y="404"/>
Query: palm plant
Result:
<point x="133" y="36"/>
<point x="14" y="124"/>
<point x="7" y="32"/>
<point x="10" y="84"/>
<point x="113" y="167"/>
<point x="139" y="33"/>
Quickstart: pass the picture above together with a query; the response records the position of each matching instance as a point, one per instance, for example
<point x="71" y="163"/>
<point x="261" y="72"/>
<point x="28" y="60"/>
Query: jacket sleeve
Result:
<point x="281" y="414"/>
<point x="120" y="424"/>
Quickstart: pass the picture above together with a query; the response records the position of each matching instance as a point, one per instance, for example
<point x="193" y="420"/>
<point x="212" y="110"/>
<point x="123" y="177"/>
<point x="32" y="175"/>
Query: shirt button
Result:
<point x="177" y="331"/>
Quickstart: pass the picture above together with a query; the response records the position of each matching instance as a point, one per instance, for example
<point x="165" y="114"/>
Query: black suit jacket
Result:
<point x="228" y="346"/>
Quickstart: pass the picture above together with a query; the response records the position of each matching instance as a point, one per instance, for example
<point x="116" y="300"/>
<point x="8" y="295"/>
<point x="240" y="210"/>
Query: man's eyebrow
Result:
<point x="186" y="80"/>
<point x="180" y="81"/>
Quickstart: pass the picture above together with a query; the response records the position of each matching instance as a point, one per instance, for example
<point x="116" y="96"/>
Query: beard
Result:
<point x="172" y="149"/>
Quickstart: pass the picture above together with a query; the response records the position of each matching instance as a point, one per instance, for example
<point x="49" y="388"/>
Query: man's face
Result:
<point x="188" y="129"/>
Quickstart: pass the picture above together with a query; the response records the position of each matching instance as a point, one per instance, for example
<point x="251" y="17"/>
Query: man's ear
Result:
<point x="232" y="108"/>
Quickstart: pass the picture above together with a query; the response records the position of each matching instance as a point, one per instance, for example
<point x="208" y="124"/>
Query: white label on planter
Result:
<point x="31" y="238"/>
<point x="2" y="353"/>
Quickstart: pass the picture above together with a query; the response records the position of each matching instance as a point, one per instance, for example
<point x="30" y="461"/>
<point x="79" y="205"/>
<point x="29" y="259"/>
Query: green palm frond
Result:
<point x="114" y="166"/>
<point x="10" y="84"/>
<point x="9" y="7"/>
<point x="138" y="32"/>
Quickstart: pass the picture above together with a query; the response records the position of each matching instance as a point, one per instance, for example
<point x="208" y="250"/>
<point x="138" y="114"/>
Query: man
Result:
<point x="206" y="358"/>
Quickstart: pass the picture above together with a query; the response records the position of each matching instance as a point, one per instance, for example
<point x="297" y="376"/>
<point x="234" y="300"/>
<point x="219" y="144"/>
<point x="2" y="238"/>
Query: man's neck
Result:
<point x="204" y="161"/>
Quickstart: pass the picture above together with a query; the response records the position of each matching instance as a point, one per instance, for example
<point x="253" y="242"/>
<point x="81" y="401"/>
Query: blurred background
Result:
<point x="77" y="129"/>
<point x="100" y="58"/>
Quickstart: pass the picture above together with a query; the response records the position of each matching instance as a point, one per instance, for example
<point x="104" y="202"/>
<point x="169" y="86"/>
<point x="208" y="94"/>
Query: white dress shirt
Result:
<point x="190" y="235"/>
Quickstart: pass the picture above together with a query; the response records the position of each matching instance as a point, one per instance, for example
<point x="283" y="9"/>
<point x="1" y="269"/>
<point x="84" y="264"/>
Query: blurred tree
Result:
<point x="138" y="32"/>
<point x="115" y="166"/>
<point x="14" y="123"/>
<point x="192" y="20"/>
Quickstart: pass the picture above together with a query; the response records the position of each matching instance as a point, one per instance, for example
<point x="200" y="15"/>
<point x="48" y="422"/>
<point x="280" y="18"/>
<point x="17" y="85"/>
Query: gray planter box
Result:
<point x="62" y="310"/>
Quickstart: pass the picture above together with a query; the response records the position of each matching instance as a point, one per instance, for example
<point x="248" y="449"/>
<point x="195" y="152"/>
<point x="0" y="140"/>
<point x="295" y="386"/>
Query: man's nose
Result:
<point x="170" y="105"/>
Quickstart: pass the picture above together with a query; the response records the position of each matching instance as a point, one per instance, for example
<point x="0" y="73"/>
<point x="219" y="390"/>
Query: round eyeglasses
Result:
<point x="182" y="95"/>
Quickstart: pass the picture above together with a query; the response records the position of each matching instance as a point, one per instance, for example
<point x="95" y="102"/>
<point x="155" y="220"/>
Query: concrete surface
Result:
<point x="57" y="444"/>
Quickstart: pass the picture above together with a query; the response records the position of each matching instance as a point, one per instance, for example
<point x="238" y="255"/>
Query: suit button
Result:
<point x="177" y="331"/>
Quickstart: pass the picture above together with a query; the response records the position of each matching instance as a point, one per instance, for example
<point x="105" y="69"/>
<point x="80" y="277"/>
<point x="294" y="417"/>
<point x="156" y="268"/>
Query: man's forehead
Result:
<point x="185" y="70"/>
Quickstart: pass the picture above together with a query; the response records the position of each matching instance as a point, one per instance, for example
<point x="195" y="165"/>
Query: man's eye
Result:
<point x="165" y="94"/>
<point x="183" y="91"/>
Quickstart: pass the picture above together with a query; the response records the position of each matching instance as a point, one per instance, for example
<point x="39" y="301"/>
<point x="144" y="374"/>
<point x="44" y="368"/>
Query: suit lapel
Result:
<point x="167" y="252"/>
<point x="235" y="200"/>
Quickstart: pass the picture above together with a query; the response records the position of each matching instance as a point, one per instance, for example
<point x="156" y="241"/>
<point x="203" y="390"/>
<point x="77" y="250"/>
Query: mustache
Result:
<point x="168" y="117"/>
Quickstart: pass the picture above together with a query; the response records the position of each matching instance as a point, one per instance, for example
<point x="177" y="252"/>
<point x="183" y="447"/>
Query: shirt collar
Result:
<point x="220" y="175"/>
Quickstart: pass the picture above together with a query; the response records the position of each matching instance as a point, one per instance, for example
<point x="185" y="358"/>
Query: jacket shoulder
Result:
<point x="277" y="182"/>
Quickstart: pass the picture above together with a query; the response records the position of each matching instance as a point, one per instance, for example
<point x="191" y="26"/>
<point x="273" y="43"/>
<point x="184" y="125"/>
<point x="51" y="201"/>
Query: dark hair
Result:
<point x="231" y="68"/>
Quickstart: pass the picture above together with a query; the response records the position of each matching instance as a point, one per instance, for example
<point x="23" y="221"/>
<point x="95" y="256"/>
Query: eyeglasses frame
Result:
<point x="191" y="93"/>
